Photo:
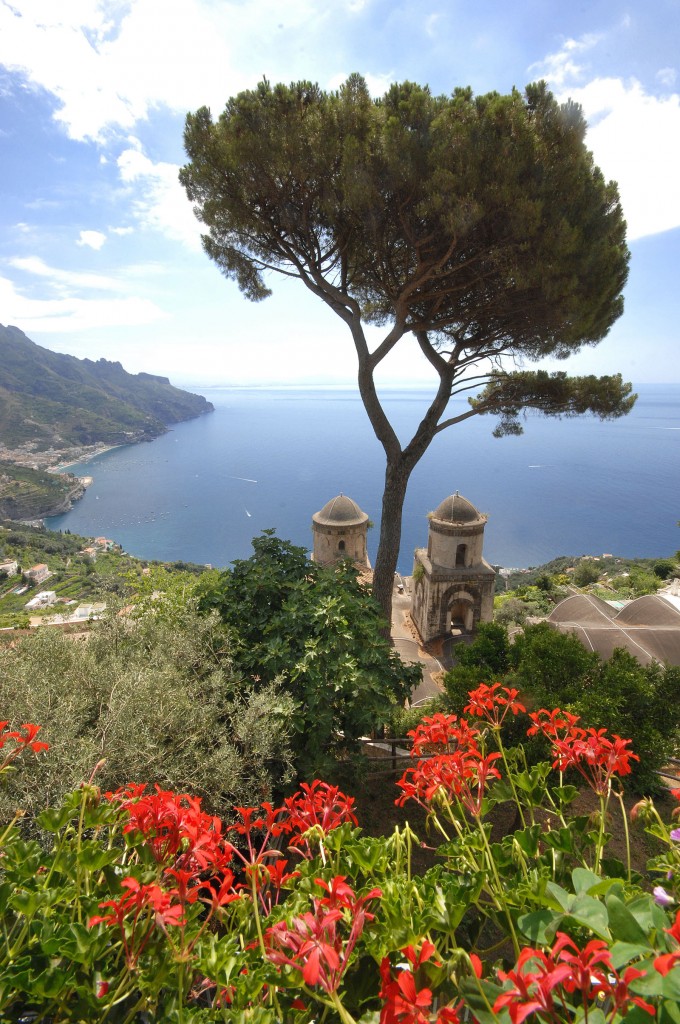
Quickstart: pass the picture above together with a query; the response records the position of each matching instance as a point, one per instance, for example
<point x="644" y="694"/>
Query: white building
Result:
<point x="42" y="600"/>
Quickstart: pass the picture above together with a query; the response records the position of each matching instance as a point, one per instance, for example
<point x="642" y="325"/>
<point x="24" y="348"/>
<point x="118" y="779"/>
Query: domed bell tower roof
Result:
<point x="340" y="511"/>
<point x="457" y="510"/>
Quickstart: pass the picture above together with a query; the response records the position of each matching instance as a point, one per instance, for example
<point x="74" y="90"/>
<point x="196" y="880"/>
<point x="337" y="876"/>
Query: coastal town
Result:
<point x="31" y="455"/>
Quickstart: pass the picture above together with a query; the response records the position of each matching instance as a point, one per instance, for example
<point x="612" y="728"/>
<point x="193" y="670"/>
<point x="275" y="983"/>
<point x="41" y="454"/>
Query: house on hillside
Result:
<point x="88" y="611"/>
<point x="42" y="600"/>
<point x="9" y="568"/>
<point x="37" y="573"/>
<point x="104" y="544"/>
<point x="89" y="552"/>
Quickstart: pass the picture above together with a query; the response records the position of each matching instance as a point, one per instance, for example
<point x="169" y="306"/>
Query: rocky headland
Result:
<point x="56" y="410"/>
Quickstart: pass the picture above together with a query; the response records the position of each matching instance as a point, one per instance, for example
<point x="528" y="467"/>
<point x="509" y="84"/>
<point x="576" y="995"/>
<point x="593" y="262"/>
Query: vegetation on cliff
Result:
<point x="522" y="594"/>
<point x="31" y="494"/>
<point x="76" y="575"/>
<point x="49" y="400"/>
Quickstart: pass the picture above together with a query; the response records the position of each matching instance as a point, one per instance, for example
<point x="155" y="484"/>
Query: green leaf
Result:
<point x="623" y="924"/>
<point x="615" y="868"/>
<point x="624" y="953"/>
<point x="565" y="794"/>
<point x="560" y="895"/>
<point x="528" y="840"/>
<point x="479" y="1004"/>
<point x="671" y="985"/>
<point x="594" y="1015"/>
<point x="583" y="879"/>
<point x="560" y="839"/>
<point x="93" y="857"/>
<point x="636" y="1015"/>
<point x="651" y="982"/>
<point x="28" y="903"/>
<point x="6" y="890"/>
<point x="668" y="1012"/>
<point x="592" y="914"/>
<point x="539" y="926"/>
<point x="603" y="886"/>
<point x="83" y="940"/>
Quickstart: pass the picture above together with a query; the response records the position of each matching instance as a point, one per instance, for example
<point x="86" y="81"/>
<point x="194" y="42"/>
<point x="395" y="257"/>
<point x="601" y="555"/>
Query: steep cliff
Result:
<point x="31" y="494"/>
<point x="51" y="400"/>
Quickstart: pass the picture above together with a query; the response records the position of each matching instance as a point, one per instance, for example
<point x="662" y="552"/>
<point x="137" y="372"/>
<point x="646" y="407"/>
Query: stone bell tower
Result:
<point x="339" y="531"/>
<point x="453" y="586"/>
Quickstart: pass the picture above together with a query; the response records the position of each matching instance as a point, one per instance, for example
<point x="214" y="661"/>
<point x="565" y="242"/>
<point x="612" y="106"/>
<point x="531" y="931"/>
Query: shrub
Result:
<point x="318" y="632"/>
<point x="586" y="572"/>
<point x="664" y="568"/>
<point x="151" y="696"/>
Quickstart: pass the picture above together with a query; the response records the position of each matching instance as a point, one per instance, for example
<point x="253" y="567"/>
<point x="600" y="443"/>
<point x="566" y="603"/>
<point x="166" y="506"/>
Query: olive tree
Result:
<point x="474" y="228"/>
<point x="149" y="696"/>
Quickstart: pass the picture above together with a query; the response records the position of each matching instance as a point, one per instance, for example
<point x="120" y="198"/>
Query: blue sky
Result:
<point x="99" y="249"/>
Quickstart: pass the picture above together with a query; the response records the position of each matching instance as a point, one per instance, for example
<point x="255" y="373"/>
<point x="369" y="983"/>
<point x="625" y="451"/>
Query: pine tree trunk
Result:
<point x="396" y="480"/>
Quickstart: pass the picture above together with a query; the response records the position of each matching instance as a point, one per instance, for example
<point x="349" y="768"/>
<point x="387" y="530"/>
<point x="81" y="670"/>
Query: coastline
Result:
<point x="85" y="456"/>
<point x="60" y="464"/>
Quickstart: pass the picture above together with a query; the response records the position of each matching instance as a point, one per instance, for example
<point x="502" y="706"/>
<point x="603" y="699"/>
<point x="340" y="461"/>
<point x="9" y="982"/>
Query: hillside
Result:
<point x="81" y="569"/>
<point x="51" y="402"/>
<point x="32" y="494"/>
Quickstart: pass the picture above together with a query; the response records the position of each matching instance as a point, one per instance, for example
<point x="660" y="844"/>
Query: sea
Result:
<point x="268" y="458"/>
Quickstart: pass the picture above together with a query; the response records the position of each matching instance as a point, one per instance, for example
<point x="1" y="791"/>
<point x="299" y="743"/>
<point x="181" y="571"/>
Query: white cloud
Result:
<point x="54" y="316"/>
<point x="432" y="25"/>
<point x="667" y="77"/>
<point x="109" y="63"/>
<point x="121" y="231"/>
<point x="64" y="279"/>
<point x="159" y="202"/>
<point x="561" y="67"/>
<point x="93" y="239"/>
<point x="635" y="139"/>
<point x="634" y="136"/>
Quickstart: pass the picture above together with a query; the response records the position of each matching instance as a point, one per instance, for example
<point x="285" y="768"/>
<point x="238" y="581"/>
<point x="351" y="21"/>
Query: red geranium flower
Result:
<point x="129" y="913"/>
<point x="441" y="734"/>
<point x="554" y="724"/>
<point x="24" y="739"/>
<point x="493" y="703"/>
<point x="320" y="943"/>
<point x="463" y="775"/>
<point x="542" y="981"/>
<point x="317" y="806"/>
<point x="594" y="755"/>
<point x="404" y="1002"/>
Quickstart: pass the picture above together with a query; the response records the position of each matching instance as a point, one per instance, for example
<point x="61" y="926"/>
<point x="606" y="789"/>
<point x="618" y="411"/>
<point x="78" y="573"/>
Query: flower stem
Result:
<point x="499" y="900"/>
<point x="619" y="797"/>
<point x="508" y="773"/>
<point x="346" y="1017"/>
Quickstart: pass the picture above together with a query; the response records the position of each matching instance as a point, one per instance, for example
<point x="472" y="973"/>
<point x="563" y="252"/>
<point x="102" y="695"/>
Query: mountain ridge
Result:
<point x="52" y="403"/>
